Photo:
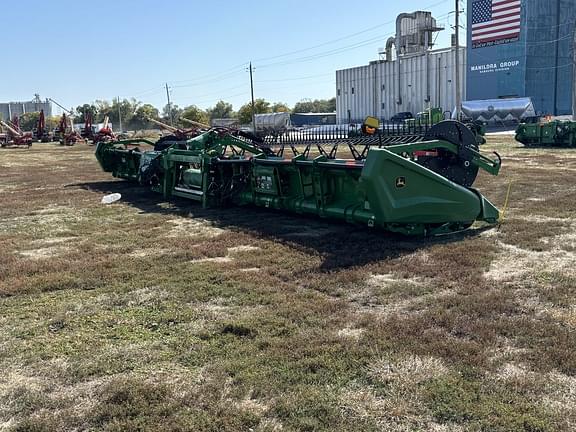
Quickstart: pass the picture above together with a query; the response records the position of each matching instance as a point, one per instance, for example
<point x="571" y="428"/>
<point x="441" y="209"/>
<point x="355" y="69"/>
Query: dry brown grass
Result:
<point x="151" y="315"/>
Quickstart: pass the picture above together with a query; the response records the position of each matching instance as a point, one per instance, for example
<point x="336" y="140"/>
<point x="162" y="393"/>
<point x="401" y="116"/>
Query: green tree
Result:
<point x="52" y="122"/>
<point x="102" y="106"/>
<point x="29" y="121"/>
<point x="221" y="110"/>
<point x="245" y="111"/>
<point x="83" y="110"/>
<point x="141" y="116"/>
<point x="280" y="107"/>
<point x="124" y="108"/>
<point x="171" y="113"/>
<point x="315" y="106"/>
<point x="196" y="114"/>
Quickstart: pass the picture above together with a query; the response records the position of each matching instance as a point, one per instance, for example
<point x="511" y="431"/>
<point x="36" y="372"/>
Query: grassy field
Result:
<point x="149" y="315"/>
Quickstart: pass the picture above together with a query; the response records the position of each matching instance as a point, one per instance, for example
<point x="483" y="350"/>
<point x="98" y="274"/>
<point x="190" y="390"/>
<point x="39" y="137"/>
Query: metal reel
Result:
<point x="458" y="168"/>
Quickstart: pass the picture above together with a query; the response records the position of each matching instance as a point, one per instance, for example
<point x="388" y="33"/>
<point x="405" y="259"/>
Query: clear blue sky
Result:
<point x="75" y="53"/>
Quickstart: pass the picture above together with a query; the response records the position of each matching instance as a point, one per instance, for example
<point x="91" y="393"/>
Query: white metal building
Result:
<point x="10" y="109"/>
<point x="384" y="88"/>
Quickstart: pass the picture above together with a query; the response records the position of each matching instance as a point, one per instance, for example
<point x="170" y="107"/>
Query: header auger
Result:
<point x="415" y="185"/>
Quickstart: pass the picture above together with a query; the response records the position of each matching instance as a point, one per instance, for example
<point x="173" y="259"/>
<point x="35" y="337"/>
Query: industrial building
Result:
<point x="409" y="76"/>
<point x="522" y="48"/>
<point x="515" y="49"/>
<point x="10" y="109"/>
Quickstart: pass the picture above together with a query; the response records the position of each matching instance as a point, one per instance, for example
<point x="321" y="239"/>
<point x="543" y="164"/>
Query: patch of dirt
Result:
<point x="7" y="188"/>
<point x="193" y="228"/>
<point x="400" y="408"/>
<point x="44" y="253"/>
<point x="504" y="349"/>
<point x="395" y="412"/>
<point x="564" y="241"/>
<point x="270" y="424"/>
<point x="381" y="280"/>
<point x="143" y="253"/>
<point x="554" y="390"/>
<point x="243" y="248"/>
<point x="514" y="263"/>
<point x="146" y="295"/>
<point x="76" y="399"/>
<point x="251" y="404"/>
<point x="137" y="297"/>
<point x="541" y="219"/>
<point x="50" y="241"/>
<point x="228" y="258"/>
<point x="53" y="209"/>
<point x="11" y="379"/>
<point x="490" y="233"/>
<point x="250" y="270"/>
<point x="565" y="315"/>
<point x="350" y="333"/>
<point x="387" y="294"/>
<point x="407" y="371"/>
<point x="219" y="260"/>
<point x="48" y="222"/>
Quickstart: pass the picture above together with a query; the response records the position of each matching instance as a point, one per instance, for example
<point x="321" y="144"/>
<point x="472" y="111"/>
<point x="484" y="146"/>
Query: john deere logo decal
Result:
<point x="400" y="182"/>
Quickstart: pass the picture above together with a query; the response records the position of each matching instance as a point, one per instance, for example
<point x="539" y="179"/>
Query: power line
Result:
<point x="297" y="79"/>
<point x="214" y="92"/>
<point x="202" y="78"/>
<point x="223" y="97"/>
<point x="227" y="73"/>
<point x="217" y="78"/>
<point x="325" y="53"/>
<point x="335" y="50"/>
<point x="343" y="37"/>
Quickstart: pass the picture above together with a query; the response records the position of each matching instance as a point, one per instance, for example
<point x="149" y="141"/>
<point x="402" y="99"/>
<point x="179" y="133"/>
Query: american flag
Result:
<point x="495" y="20"/>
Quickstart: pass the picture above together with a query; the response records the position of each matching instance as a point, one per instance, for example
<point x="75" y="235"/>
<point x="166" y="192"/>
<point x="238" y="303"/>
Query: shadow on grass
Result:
<point x="340" y="244"/>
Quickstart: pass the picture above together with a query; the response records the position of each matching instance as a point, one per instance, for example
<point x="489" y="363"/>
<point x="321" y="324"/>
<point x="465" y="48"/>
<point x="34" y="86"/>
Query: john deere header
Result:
<point x="411" y="181"/>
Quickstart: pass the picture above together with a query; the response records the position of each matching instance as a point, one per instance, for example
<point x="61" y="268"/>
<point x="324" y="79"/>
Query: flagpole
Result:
<point x="457" y="59"/>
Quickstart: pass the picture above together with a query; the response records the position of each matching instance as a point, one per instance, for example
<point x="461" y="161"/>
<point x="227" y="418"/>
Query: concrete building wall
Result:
<point x="382" y="89"/>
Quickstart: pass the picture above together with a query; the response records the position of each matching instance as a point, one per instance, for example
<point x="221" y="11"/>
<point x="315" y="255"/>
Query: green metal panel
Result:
<point x="410" y="193"/>
<point x="550" y="134"/>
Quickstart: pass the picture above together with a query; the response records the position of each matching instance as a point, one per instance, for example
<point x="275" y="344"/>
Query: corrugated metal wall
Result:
<point x="372" y="90"/>
<point x="11" y="109"/>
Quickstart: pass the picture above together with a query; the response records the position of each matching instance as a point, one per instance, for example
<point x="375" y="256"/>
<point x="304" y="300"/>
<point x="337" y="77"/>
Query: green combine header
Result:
<point x="414" y="184"/>
<point x="554" y="133"/>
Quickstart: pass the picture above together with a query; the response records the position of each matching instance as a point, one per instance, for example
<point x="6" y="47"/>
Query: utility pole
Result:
<point x="169" y="105"/>
<point x="457" y="59"/>
<point x="253" y="107"/>
<point x="119" y="116"/>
